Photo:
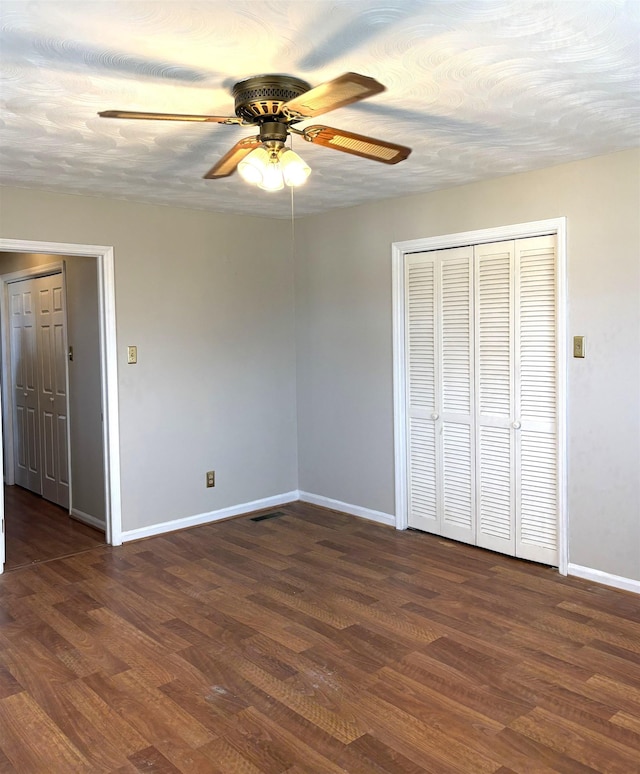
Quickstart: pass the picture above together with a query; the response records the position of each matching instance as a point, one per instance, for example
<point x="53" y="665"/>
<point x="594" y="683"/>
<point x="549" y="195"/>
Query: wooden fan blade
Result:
<point x="357" y="144"/>
<point x="228" y="163"/>
<point x="168" y="117"/>
<point x="348" y="88"/>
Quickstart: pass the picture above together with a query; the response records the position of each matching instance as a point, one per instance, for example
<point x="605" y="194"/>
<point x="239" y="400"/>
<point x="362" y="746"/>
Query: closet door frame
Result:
<point x="554" y="226"/>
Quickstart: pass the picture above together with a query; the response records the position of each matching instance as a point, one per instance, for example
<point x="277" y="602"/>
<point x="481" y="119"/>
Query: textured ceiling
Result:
<point x="478" y="88"/>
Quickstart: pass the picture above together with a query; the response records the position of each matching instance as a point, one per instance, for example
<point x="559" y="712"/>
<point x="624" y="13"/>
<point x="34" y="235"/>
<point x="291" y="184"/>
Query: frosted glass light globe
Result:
<point x="253" y="166"/>
<point x="294" y="170"/>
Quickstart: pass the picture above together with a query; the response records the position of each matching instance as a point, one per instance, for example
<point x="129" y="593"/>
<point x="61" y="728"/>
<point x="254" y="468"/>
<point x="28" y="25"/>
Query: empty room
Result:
<point x="319" y="328"/>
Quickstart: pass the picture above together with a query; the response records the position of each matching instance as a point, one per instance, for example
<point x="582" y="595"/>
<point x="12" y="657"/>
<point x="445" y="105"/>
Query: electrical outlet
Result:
<point x="211" y="478"/>
<point x="132" y="355"/>
<point x="578" y="346"/>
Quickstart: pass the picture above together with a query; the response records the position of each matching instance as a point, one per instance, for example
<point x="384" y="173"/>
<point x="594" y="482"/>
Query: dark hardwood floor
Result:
<point x="314" y="643"/>
<point x="37" y="530"/>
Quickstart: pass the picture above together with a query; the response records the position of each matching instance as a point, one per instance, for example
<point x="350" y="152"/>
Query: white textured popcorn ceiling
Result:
<point x="478" y="89"/>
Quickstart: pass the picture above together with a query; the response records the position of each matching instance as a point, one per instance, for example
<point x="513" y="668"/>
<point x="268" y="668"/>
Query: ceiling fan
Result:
<point x="274" y="103"/>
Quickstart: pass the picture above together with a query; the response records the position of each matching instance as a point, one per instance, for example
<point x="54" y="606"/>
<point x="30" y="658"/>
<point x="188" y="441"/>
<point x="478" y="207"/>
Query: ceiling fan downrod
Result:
<point x="273" y="134"/>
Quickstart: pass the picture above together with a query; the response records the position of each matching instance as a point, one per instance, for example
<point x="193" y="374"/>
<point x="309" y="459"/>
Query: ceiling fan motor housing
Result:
<point x="262" y="96"/>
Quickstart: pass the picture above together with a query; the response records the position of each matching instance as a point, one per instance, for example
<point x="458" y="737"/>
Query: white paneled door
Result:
<point x="482" y="387"/>
<point x="39" y="375"/>
<point x="24" y="383"/>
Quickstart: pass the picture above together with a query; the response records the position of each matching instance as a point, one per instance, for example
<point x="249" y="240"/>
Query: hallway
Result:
<point x="37" y="530"/>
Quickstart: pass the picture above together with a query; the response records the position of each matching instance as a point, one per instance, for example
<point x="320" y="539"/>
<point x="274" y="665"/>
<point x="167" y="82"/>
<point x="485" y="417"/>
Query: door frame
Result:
<point x="104" y="256"/>
<point x="555" y="226"/>
<point x="44" y="270"/>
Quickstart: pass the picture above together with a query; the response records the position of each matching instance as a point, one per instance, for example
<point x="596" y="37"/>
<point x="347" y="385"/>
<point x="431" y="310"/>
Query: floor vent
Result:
<point x="264" y="516"/>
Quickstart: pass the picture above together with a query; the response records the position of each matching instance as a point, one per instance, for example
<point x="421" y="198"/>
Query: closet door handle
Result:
<point x="516" y="425"/>
<point x="435" y="415"/>
<point x="26" y="394"/>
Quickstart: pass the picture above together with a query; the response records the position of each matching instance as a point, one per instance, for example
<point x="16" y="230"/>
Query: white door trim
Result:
<point x="109" y="367"/>
<point x="557" y="226"/>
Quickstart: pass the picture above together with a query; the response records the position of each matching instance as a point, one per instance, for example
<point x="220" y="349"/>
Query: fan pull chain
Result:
<point x="293" y="227"/>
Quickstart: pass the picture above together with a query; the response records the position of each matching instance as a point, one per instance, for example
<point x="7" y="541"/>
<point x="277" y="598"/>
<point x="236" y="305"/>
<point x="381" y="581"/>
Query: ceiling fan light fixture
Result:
<point x="271" y="167"/>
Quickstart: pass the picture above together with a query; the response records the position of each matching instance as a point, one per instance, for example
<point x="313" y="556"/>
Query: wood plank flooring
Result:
<point x="314" y="643"/>
<point x="37" y="530"/>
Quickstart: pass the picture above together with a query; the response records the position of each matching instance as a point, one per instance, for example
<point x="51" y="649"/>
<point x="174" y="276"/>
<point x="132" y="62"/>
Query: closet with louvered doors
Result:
<point x="482" y="392"/>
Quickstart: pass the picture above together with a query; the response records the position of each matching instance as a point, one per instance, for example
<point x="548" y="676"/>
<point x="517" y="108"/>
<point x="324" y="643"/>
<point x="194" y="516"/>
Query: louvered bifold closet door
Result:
<point x="456" y="389"/>
<point x="495" y="399"/>
<point x="421" y="398"/>
<point x="537" y="486"/>
<point x="440" y="400"/>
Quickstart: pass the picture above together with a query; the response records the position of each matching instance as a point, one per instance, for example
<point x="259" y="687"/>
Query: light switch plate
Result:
<point x="132" y="355"/>
<point x="578" y="346"/>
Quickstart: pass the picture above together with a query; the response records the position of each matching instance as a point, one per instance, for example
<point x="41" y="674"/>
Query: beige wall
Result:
<point x="87" y="464"/>
<point x="344" y="328"/>
<point x="10" y="262"/>
<point x="208" y="300"/>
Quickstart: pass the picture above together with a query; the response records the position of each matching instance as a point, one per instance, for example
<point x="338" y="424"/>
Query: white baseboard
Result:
<point x="87" y="518"/>
<point x="352" y="510"/>
<point x="597" y="576"/>
<point x="208" y="518"/>
<point x="617" y="581"/>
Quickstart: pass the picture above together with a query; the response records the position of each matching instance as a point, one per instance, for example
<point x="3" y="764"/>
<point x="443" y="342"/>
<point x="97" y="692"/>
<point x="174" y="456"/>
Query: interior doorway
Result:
<point x="49" y="309"/>
<point x="103" y="511"/>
